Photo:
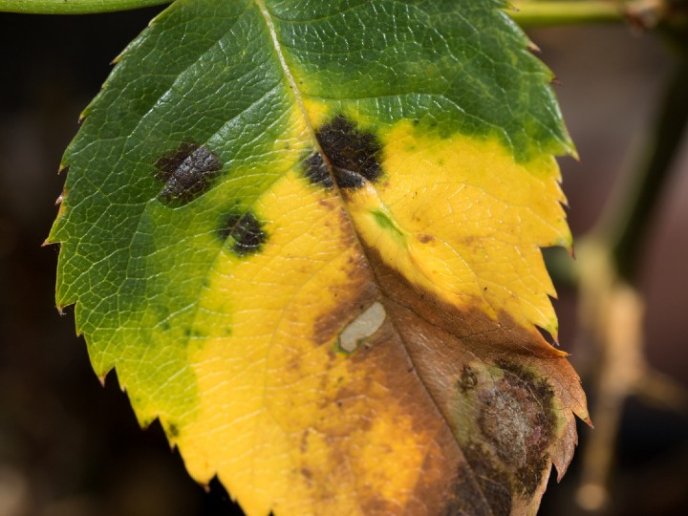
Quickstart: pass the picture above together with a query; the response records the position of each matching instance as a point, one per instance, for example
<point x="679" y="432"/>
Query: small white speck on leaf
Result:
<point x="364" y="326"/>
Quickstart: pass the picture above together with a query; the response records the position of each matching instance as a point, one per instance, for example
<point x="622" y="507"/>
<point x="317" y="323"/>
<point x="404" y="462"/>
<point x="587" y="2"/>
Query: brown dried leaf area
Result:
<point x="421" y="407"/>
<point x="491" y="405"/>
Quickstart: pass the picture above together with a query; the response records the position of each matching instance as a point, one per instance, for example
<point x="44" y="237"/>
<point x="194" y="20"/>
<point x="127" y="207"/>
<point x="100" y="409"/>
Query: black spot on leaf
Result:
<point x="187" y="173"/>
<point x="316" y="171"/>
<point x="244" y="231"/>
<point x="353" y="154"/>
<point x="468" y="379"/>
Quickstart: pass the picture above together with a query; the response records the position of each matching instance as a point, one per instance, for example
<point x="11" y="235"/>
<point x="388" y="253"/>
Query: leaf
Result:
<point x="307" y="235"/>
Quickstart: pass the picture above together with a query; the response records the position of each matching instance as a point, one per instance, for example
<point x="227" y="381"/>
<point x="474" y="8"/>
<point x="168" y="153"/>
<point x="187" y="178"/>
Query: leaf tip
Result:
<point x="117" y="58"/>
<point x="533" y="47"/>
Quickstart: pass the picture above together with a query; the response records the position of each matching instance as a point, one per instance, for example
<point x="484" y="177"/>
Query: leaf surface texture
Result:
<point x="307" y="236"/>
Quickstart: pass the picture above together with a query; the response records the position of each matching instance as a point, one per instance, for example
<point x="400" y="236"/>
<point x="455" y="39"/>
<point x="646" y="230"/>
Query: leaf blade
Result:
<point x="270" y="221"/>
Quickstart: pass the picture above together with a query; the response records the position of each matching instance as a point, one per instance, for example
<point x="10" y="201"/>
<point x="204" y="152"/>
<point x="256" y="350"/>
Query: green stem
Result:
<point x="530" y="13"/>
<point x="74" y="6"/>
<point x="533" y="13"/>
<point x="625" y="224"/>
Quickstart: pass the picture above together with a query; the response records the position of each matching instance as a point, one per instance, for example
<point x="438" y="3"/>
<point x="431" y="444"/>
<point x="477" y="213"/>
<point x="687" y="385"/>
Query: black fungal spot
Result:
<point x="481" y="487"/>
<point x="316" y="171"/>
<point x="353" y="154"/>
<point x="187" y="173"/>
<point x="518" y="418"/>
<point x="245" y="231"/>
<point x="468" y="379"/>
<point x="174" y="431"/>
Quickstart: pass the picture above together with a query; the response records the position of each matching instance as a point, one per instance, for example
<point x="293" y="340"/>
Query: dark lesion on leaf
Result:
<point x="243" y="231"/>
<point x="481" y="487"/>
<point x="519" y="420"/>
<point x="503" y="407"/>
<point x="315" y="170"/>
<point x="353" y="154"/>
<point x="187" y="173"/>
<point x="468" y="379"/>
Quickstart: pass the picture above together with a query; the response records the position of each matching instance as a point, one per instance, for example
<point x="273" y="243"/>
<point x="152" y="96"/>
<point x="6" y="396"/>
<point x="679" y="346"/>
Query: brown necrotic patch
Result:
<point x="187" y="173"/>
<point x="243" y="231"/>
<point x="491" y="381"/>
<point x="354" y="155"/>
<point x="481" y="488"/>
<point x="517" y="417"/>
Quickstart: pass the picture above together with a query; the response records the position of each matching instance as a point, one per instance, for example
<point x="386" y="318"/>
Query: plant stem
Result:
<point x="74" y="6"/>
<point x="530" y="13"/>
<point x="624" y="226"/>
<point x="533" y="13"/>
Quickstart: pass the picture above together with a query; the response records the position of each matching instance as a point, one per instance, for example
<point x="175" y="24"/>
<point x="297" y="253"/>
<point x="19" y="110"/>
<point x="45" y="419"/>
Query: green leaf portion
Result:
<point x="135" y="266"/>
<point x="451" y="65"/>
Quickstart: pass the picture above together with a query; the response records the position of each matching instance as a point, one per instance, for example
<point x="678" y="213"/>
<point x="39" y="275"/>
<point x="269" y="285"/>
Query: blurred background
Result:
<point x="69" y="447"/>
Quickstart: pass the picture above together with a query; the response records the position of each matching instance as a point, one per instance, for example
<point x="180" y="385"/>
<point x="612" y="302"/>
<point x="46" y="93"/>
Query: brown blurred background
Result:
<point x="68" y="447"/>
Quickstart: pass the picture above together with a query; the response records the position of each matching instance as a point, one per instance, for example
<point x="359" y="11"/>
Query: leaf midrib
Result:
<point x="267" y="17"/>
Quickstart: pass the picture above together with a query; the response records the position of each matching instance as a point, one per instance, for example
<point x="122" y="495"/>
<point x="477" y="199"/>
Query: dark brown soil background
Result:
<point x="68" y="447"/>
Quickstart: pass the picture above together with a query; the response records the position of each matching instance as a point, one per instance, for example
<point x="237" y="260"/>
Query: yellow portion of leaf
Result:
<point x="460" y="218"/>
<point x="264" y="423"/>
<point x="291" y="424"/>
